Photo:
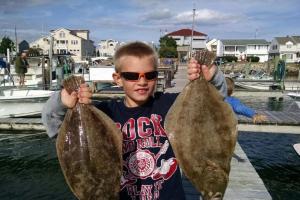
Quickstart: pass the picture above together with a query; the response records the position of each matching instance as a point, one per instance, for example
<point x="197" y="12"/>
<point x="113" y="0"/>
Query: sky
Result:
<point x="148" y="20"/>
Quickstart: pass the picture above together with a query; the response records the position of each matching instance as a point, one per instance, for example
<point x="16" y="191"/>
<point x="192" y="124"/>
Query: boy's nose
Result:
<point x="142" y="80"/>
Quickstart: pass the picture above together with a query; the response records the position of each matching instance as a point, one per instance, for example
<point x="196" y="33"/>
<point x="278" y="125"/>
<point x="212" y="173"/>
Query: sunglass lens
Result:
<point x="132" y="76"/>
<point x="151" y="75"/>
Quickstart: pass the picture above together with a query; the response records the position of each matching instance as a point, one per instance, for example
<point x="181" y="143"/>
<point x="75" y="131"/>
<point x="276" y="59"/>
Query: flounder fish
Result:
<point x="202" y="130"/>
<point x="89" y="149"/>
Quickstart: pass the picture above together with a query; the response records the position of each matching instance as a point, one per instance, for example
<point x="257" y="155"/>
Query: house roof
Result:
<point x="284" y="40"/>
<point x="186" y="32"/>
<point x="296" y="39"/>
<point x="245" y="42"/>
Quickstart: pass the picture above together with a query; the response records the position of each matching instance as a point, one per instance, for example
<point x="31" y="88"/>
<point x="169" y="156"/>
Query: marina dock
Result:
<point x="245" y="183"/>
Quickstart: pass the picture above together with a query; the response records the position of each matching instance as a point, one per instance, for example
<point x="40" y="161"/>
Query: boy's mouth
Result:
<point x="142" y="90"/>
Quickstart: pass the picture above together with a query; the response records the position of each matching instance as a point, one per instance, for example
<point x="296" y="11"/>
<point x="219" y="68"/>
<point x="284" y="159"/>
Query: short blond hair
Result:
<point x="136" y="49"/>
<point x="230" y="85"/>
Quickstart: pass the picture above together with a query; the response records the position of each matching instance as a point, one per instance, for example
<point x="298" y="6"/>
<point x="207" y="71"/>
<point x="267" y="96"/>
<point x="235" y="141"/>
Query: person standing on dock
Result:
<point x="240" y="108"/>
<point x="21" y="67"/>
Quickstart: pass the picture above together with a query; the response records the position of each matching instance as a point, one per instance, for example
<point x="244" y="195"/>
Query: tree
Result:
<point x="5" y="44"/>
<point x="168" y="47"/>
<point x="34" y="51"/>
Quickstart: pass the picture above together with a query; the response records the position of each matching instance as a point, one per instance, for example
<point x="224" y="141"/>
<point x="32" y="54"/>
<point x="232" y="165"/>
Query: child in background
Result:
<point x="240" y="108"/>
<point x="150" y="169"/>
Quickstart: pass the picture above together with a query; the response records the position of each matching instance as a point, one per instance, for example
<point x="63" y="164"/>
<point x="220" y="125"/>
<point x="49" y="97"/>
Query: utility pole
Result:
<point x="192" y="36"/>
<point x="17" y="46"/>
<point x="50" y="61"/>
<point x="255" y="33"/>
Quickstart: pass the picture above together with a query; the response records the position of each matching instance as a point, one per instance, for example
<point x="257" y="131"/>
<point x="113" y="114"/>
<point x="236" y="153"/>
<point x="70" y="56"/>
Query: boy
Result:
<point x="240" y="108"/>
<point x="150" y="169"/>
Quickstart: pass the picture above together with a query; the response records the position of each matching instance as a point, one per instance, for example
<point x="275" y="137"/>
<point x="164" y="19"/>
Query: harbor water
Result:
<point x="30" y="169"/>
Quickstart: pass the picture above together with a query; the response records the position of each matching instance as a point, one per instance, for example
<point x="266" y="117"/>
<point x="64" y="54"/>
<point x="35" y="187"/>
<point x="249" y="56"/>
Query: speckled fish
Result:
<point x="202" y="130"/>
<point x="89" y="149"/>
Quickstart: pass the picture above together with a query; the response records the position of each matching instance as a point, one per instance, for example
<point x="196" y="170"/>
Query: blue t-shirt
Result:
<point x="150" y="170"/>
<point x="240" y="108"/>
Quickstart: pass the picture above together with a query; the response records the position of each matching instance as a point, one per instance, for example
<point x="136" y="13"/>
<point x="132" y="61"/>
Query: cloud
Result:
<point x="11" y="6"/>
<point x="158" y="15"/>
<point x="206" y="16"/>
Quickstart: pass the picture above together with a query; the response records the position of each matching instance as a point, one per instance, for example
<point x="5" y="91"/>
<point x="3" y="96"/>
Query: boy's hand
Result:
<point x="83" y="95"/>
<point x="194" y="70"/>
<point x="258" y="118"/>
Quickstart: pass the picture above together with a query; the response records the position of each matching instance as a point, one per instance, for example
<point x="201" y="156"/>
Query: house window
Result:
<point x="251" y="47"/>
<point x="288" y="46"/>
<point x="298" y="54"/>
<point x="289" y="56"/>
<point x="74" y="42"/>
<point x="274" y="47"/>
<point x="229" y="48"/>
<point x="62" y="34"/>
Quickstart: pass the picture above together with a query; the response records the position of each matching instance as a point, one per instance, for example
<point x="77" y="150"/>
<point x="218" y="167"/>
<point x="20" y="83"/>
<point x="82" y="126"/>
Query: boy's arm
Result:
<point x="240" y="108"/>
<point x="218" y="80"/>
<point x="53" y="114"/>
<point x="212" y="74"/>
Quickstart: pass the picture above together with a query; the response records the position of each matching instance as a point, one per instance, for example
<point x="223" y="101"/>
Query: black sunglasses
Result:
<point x="135" y="76"/>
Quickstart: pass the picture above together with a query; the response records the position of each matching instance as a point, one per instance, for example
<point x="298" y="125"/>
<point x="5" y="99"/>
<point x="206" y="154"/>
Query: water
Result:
<point x="29" y="169"/>
<point x="275" y="160"/>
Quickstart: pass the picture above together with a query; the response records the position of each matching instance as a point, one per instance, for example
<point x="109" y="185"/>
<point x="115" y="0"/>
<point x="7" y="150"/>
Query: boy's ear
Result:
<point x="117" y="79"/>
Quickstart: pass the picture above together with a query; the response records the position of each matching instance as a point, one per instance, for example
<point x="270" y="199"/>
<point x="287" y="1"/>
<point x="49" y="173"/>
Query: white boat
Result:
<point x="297" y="148"/>
<point x="267" y="85"/>
<point x="294" y="95"/>
<point x="257" y="85"/>
<point x="22" y="102"/>
<point x="22" y="95"/>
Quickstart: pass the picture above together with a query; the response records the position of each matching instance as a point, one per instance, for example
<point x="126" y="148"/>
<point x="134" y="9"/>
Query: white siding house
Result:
<point x="65" y="41"/>
<point x="183" y="39"/>
<point x="244" y="48"/>
<point x="42" y="43"/>
<point x="108" y="48"/>
<point x="287" y="48"/>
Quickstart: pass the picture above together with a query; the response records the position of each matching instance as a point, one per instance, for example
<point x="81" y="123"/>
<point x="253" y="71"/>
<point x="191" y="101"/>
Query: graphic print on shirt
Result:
<point x="143" y="137"/>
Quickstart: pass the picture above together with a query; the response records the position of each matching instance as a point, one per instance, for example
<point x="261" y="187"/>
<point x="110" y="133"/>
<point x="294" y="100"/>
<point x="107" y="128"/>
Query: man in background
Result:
<point x="21" y="67"/>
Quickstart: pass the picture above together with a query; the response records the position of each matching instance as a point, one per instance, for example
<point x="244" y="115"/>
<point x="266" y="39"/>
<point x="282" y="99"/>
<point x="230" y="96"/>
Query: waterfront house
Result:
<point x="212" y="45"/>
<point x="287" y="48"/>
<point x="107" y="48"/>
<point x="43" y="44"/>
<point x="23" y="46"/>
<point x="65" y="41"/>
<point x="242" y="48"/>
<point x="183" y="38"/>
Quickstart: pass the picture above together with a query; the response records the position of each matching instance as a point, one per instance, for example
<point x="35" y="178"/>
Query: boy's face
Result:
<point x="136" y="92"/>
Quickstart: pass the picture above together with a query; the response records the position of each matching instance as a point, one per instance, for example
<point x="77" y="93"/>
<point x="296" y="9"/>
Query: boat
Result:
<point x="22" y="102"/>
<point x="267" y="85"/>
<point x="294" y="95"/>
<point x="297" y="148"/>
<point x="21" y="95"/>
